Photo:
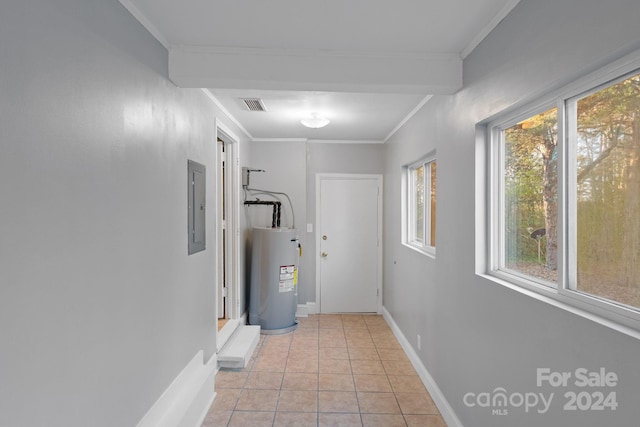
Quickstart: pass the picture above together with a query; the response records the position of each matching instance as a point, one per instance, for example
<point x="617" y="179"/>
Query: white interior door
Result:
<point x="349" y="232"/>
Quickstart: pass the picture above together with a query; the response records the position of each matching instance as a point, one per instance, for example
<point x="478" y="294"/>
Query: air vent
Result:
<point x="254" y="104"/>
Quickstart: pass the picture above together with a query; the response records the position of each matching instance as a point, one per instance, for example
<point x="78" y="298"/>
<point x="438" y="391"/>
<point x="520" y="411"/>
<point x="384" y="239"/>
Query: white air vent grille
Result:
<point x="254" y="104"/>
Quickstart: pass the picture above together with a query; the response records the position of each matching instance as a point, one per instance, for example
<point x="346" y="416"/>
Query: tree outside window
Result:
<point x="607" y="156"/>
<point x="603" y="183"/>
<point x="421" y="206"/>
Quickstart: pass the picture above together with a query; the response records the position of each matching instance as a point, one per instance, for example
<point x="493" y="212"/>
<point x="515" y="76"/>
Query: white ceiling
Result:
<point x="364" y="64"/>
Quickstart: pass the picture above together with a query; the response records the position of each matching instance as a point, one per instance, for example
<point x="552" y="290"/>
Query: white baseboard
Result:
<point x="312" y="308"/>
<point x="302" y="310"/>
<point x="438" y="398"/>
<point x="187" y="400"/>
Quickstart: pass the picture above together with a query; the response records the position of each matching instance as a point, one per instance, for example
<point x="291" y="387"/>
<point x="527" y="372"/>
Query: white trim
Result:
<point x="379" y="178"/>
<point x="489" y="27"/>
<point x="567" y="199"/>
<point x="302" y="310"/>
<point x="146" y="23"/>
<point x="226" y="112"/>
<point x="408" y="117"/>
<point x="238" y="350"/>
<point x="429" y="251"/>
<point x="312" y="307"/>
<point x="233" y="138"/>
<point x="408" y="205"/>
<point x="186" y="401"/>
<point x="551" y="296"/>
<point x="204" y="398"/>
<point x="612" y="314"/>
<point x="446" y="410"/>
<point x="344" y="141"/>
<point x="219" y="248"/>
<point x="301" y="140"/>
<point x="225" y="333"/>
<point x="233" y="245"/>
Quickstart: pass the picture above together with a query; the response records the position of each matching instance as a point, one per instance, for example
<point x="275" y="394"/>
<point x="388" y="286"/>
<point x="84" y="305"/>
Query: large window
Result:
<point x="605" y="149"/>
<point x="566" y="181"/>
<point x="421" y="206"/>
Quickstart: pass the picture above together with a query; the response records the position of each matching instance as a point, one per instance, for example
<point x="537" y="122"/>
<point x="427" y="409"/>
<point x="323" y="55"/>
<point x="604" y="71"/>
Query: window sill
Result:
<point x="430" y="251"/>
<point x="564" y="301"/>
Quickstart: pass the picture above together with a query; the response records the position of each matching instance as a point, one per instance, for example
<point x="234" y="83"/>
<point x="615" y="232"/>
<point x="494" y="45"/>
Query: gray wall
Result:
<point x="100" y="306"/>
<point x="478" y="335"/>
<point x="336" y="158"/>
<point x="285" y="165"/>
<point x="292" y="168"/>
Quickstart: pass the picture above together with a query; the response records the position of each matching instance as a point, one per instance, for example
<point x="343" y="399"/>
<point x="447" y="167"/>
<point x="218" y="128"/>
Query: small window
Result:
<point x="420" y="204"/>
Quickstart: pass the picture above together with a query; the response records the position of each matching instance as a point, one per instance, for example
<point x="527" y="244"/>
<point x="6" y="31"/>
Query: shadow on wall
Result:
<point x="248" y="240"/>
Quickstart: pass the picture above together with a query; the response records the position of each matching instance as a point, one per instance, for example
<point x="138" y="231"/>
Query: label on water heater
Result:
<point x="287" y="278"/>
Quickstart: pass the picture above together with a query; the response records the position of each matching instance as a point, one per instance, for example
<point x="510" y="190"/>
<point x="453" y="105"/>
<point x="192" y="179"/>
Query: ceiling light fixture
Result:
<point x="315" y="121"/>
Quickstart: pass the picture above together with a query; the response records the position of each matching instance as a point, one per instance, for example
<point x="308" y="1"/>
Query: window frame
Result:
<point x="409" y="206"/>
<point x="565" y="292"/>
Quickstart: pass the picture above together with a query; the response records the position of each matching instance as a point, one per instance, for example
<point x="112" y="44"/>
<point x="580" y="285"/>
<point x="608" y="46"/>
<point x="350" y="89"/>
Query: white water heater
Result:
<point x="274" y="279"/>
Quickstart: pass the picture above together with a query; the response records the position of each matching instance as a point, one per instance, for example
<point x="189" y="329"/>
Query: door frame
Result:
<point x="346" y="176"/>
<point x="221" y="198"/>
<point x="232" y="247"/>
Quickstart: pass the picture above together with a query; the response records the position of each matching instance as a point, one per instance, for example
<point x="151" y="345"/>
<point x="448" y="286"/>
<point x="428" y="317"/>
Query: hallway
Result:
<point x="334" y="370"/>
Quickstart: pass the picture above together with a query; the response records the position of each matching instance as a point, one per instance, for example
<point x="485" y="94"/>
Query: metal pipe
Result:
<point x="274" y="216"/>
<point x="279" y="211"/>
<point x="277" y="207"/>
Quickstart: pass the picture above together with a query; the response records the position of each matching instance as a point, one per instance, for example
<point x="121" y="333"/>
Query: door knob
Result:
<point x="324" y="254"/>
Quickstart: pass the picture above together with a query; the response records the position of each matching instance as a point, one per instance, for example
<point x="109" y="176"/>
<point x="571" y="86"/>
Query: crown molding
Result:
<point x="227" y="113"/>
<point x="146" y="23"/>
<point x="489" y="27"/>
<point x="267" y="140"/>
<point x="344" y="141"/>
<point x="408" y="117"/>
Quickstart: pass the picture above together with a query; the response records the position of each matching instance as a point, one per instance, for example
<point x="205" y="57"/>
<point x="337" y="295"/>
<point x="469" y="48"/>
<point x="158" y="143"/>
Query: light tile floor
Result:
<point x="334" y="370"/>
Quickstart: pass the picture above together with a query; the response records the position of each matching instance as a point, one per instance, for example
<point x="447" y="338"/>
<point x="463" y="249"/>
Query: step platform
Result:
<point x="238" y="349"/>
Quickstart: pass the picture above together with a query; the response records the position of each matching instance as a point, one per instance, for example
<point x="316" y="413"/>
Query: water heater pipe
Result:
<point x="255" y="191"/>
<point x="277" y="210"/>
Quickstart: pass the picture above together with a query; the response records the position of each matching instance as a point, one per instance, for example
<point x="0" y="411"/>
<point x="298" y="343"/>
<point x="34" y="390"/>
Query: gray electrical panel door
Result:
<point x="197" y="206"/>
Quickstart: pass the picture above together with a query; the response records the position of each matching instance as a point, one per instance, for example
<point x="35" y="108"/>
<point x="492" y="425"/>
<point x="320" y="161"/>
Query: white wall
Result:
<point x="100" y="306"/>
<point x="476" y="334"/>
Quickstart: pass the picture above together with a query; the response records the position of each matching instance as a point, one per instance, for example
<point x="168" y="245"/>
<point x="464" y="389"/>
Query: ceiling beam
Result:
<point x="331" y="71"/>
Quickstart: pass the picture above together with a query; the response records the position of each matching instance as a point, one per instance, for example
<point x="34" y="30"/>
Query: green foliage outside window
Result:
<point x="606" y="150"/>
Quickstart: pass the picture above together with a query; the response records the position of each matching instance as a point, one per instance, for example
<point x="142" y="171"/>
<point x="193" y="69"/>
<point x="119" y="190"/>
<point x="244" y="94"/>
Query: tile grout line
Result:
<point x="355" y="338"/>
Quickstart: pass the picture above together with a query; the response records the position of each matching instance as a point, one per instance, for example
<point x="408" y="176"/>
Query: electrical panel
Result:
<point x="196" y="207"/>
